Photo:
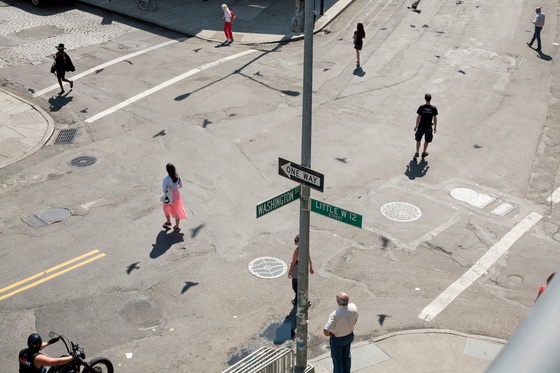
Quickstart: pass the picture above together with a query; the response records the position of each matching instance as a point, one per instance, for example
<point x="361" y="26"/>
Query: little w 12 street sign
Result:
<point x="278" y="201"/>
<point x="301" y="174"/>
<point x="336" y="213"/>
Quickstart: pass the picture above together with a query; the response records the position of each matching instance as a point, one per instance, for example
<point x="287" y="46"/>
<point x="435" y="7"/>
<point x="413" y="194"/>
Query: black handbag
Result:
<point x="53" y="67"/>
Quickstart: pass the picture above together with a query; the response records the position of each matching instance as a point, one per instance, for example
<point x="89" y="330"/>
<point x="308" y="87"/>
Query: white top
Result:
<point x="227" y="16"/>
<point x="167" y="181"/>
<point x="539" y="20"/>
<point x="342" y="320"/>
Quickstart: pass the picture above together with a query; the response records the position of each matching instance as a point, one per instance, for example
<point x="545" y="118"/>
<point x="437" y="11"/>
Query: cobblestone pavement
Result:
<point x="34" y="32"/>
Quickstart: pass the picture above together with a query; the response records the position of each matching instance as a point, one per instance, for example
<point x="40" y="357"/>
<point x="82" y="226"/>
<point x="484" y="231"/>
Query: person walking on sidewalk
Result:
<point x="175" y="209"/>
<point x="62" y="63"/>
<point x="228" y="18"/>
<point x="340" y="329"/>
<point x="539" y="23"/>
<point x="426" y="113"/>
<point x="293" y="271"/>
<point x="359" y="35"/>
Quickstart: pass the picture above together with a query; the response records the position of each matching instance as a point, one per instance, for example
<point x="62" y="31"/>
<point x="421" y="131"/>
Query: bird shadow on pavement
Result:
<point x="164" y="241"/>
<point x="381" y="318"/>
<point x="358" y="71"/>
<point x="188" y="285"/>
<point x="132" y="267"/>
<point x="416" y="169"/>
<point x="58" y="102"/>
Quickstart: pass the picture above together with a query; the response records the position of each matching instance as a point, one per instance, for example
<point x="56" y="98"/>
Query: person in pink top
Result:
<point x="175" y="209"/>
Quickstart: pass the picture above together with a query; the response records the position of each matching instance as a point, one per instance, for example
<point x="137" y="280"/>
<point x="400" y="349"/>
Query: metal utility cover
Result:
<point x="400" y="211"/>
<point x="361" y="358"/>
<point x="482" y="349"/>
<point x="268" y="267"/>
<point x="66" y="136"/>
<point x="503" y="209"/>
<point x="83" y="161"/>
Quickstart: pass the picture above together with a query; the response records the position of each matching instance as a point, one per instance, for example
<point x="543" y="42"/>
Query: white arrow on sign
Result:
<point x="301" y="175"/>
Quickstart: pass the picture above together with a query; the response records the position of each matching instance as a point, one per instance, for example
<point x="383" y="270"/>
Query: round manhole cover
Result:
<point x="83" y="161"/>
<point x="400" y="211"/>
<point x="268" y="267"/>
<point x="464" y="194"/>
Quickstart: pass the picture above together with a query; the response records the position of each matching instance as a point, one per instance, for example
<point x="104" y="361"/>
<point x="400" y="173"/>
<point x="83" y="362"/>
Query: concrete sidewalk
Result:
<point x="420" y="351"/>
<point x="24" y="128"/>
<point x="257" y="22"/>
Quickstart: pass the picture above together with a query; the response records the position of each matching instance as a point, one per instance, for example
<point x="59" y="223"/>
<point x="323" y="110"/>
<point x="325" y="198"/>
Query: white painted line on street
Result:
<point x="166" y="84"/>
<point x="112" y="62"/>
<point x="554" y="197"/>
<point x="479" y="268"/>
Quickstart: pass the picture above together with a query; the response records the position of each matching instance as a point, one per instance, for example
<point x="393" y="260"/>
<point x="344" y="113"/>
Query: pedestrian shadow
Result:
<point x="358" y="71"/>
<point x="58" y="102"/>
<point x="280" y="332"/>
<point x="416" y="169"/>
<point x="164" y="241"/>
<point x="544" y="57"/>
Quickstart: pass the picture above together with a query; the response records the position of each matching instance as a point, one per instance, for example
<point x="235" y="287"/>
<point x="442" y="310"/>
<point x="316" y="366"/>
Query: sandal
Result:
<point x="176" y="228"/>
<point x="425" y="154"/>
<point x="71" y="84"/>
<point x="416" y="155"/>
<point x="60" y="93"/>
<point x="167" y="225"/>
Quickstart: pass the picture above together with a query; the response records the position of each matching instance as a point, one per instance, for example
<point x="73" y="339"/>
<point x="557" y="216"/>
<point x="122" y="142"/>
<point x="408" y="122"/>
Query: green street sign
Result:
<point x="336" y="213"/>
<point x="278" y="201"/>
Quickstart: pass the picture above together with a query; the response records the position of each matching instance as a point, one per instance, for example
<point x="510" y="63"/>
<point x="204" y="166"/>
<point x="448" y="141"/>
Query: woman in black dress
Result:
<point x="63" y="63"/>
<point x="359" y="35"/>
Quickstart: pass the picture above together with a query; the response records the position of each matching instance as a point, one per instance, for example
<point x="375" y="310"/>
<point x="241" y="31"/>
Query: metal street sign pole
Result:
<point x="303" y="259"/>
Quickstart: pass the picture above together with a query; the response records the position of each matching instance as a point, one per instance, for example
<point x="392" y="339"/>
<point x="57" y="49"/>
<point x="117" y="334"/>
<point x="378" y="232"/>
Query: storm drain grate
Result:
<point x="361" y="358"/>
<point x="83" y="161"/>
<point x="66" y="136"/>
<point x="482" y="349"/>
<point x="44" y="218"/>
<point x="268" y="267"/>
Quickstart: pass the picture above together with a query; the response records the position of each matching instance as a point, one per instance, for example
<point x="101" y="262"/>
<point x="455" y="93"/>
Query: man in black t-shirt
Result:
<point x="426" y="113"/>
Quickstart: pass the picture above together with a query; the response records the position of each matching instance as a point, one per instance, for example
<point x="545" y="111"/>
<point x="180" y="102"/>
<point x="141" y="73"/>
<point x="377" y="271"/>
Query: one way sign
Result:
<point x="301" y="174"/>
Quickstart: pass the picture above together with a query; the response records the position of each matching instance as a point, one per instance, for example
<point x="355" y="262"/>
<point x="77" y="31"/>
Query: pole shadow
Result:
<point x="415" y="169"/>
<point x="164" y="241"/>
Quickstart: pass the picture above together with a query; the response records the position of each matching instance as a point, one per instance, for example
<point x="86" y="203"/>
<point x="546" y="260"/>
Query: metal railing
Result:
<point x="267" y="360"/>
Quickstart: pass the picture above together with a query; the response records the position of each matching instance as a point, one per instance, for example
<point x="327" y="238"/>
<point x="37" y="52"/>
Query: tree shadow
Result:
<point x="58" y="102"/>
<point x="415" y="169"/>
<point x="164" y="241"/>
<point x="188" y="285"/>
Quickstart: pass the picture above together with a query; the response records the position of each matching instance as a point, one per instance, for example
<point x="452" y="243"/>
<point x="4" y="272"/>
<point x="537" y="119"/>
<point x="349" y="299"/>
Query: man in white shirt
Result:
<point x="539" y="23"/>
<point x="340" y="329"/>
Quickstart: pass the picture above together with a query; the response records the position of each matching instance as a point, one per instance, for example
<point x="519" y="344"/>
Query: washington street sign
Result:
<point x="278" y="201"/>
<point x="301" y="174"/>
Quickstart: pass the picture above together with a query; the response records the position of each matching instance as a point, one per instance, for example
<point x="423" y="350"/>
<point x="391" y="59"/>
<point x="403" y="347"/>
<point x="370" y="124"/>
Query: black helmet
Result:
<point x="34" y="341"/>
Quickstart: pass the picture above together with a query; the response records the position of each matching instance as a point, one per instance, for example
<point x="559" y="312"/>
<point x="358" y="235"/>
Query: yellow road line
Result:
<point x="51" y="276"/>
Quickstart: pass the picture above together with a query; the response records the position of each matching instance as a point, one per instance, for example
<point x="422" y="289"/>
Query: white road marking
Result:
<point x="479" y="268"/>
<point x="166" y="84"/>
<point x="112" y="62"/>
<point x="554" y="197"/>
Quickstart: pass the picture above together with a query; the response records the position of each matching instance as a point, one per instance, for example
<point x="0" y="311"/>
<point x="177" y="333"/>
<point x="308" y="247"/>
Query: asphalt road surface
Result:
<point x="477" y="213"/>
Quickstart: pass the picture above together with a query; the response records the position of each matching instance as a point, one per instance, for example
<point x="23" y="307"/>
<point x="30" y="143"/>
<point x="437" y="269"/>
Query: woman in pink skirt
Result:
<point x="175" y="209"/>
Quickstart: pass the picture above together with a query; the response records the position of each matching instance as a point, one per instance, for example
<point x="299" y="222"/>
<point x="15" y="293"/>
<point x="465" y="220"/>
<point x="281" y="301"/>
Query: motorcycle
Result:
<point x="79" y="365"/>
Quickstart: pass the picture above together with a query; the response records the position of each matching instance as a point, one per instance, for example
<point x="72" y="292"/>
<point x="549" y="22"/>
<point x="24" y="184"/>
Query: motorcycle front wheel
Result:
<point x="100" y="365"/>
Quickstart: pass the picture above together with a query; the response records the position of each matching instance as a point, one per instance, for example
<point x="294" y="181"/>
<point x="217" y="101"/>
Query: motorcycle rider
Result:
<point x="31" y="360"/>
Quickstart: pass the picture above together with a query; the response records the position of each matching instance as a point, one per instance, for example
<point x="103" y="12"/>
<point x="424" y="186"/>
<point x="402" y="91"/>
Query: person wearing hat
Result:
<point x="62" y="63"/>
<point x="33" y="361"/>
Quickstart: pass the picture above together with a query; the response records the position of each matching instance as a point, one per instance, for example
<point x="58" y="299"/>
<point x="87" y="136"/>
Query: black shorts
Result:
<point x="427" y="132"/>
